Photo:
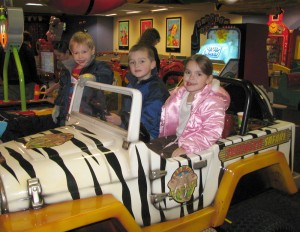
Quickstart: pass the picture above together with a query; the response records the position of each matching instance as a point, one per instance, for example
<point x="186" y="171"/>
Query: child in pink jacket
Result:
<point x="192" y="118"/>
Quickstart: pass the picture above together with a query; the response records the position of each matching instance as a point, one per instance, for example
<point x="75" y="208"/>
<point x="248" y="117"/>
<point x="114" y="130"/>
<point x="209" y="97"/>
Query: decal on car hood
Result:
<point x="50" y="140"/>
<point x="182" y="184"/>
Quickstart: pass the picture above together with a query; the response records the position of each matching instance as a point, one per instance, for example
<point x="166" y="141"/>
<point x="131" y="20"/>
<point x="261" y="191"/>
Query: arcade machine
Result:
<point x="238" y="43"/>
<point x="11" y="32"/>
<point x="12" y="27"/>
<point x="277" y="44"/>
<point x="47" y="60"/>
<point x="282" y="46"/>
<point x="283" y="55"/>
<point x="222" y="45"/>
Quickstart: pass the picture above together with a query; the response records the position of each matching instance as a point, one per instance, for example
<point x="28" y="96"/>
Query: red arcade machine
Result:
<point x="283" y="46"/>
<point x="283" y="52"/>
<point x="277" y="44"/>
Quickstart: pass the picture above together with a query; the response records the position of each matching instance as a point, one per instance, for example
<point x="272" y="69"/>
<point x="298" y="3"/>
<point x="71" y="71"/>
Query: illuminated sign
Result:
<point x="212" y="51"/>
<point x="254" y="145"/>
<point x="222" y="44"/>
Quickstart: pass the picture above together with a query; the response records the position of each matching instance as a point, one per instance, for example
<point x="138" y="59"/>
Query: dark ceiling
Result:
<point x="241" y="7"/>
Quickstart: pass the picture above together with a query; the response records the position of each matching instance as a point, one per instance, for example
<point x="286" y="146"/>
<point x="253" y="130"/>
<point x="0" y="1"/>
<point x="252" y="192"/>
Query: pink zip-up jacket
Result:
<point x="206" y="121"/>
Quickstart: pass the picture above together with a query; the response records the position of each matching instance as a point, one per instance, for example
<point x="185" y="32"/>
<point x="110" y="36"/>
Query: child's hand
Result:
<point x="84" y="78"/>
<point x="114" y="119"/>
<point x="50" y="100"/>
<point x="48" y="92"/>
<point x="55" y="113"/>
<point x="179" y="151"/>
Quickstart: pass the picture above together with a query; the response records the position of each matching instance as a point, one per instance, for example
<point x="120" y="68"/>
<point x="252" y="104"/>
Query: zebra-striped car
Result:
<point x="91" y="171"/>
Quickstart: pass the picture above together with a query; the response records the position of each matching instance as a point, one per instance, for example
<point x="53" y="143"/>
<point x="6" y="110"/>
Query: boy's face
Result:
<point x="194" y="79"/>
<point x="82" y="54"/>
<point x="140" y="65"/>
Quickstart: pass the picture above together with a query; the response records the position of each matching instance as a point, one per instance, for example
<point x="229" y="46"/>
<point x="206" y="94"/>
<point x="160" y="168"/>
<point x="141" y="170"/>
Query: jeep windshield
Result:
<point x="94" y="101"/>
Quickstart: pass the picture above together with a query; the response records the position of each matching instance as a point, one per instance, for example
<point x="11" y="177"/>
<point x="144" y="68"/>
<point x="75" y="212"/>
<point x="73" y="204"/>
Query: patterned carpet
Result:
<point x="285" y="207"/>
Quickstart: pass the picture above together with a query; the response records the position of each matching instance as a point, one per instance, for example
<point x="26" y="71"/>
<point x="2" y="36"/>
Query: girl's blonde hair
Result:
<point x="82" y="38"/>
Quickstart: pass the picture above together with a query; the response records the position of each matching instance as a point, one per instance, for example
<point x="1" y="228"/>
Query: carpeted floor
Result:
<point x="284" y="206"/>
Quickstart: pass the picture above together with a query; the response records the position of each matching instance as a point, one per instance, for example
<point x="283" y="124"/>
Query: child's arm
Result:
<point x="61" y="102"/>
<point x="51" y="89"/>
<point x="150" y="116"/>
<point x="104" y="73"/>
<point x="114" y="119"/>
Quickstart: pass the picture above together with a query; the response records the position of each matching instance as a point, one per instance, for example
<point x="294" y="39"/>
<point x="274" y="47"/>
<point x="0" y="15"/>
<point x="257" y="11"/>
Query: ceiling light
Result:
<point x="110" y="14"/>
<point x="160" y="9"/>
<point x="34" y="4"/>
<point x="133" y="12"/>
<point x="230" y="1"/>
<point x="126" y="10"/>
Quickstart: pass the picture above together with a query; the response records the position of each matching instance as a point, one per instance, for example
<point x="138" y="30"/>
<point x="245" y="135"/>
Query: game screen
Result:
<point x="221" y="46"/>
<point x="47" y="62"/>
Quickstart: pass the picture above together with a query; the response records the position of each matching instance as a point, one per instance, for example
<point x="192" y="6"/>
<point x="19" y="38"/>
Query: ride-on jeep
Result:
<point x="91" y="174"/>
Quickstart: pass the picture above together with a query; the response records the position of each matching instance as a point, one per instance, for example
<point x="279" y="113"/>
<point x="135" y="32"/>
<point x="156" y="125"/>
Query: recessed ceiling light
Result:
<point x="160" y="9"/>
<point x="133" y="12"/>
<point x="34" y="4"/>
<point x="127" y="10"/>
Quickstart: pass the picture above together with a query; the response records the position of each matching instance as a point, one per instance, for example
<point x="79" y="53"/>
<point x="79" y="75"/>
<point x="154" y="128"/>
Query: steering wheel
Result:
<point x="144" y="134"/>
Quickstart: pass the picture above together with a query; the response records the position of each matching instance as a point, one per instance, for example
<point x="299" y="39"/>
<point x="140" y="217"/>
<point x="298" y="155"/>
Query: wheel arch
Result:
<point x="276" y="168"/>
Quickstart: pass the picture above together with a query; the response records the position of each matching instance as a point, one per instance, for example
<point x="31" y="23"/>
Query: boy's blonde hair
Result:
<point x="82" y="38"/>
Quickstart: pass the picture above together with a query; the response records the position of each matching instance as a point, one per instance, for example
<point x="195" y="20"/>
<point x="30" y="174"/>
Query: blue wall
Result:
<point x="100" y="28"/>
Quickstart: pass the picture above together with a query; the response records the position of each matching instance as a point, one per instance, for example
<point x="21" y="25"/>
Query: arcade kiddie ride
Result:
<point x="11" y="40"/>
<point x="15" y="115"/>
<point x="283" y="51"/>
<point x="12" y="22"/>
<point x="92" y="174"/>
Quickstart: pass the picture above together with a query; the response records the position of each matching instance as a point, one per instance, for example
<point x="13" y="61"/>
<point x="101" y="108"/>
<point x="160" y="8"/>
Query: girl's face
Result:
<point x="140" y="64"/>
<point x="82" y="54"/>
<point x="194" y="79"/>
